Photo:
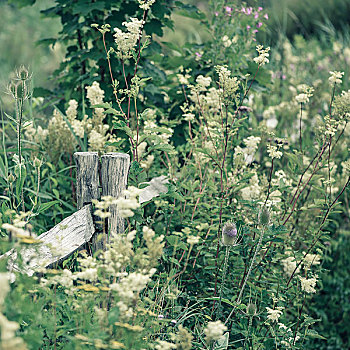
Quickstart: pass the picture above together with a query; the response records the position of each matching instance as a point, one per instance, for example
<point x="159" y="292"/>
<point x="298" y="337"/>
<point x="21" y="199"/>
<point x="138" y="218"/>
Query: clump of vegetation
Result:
<point x="246" y="147"/>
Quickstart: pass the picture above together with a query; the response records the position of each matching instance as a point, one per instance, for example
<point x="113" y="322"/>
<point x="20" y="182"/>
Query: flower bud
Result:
<point x="37" y="162"/>
<point x="11" y="179"/>
<point x="251" y="310"/>
<point x="264" y="216"/>
<point x="229" y="234"/>
<point x="22" y="73"/>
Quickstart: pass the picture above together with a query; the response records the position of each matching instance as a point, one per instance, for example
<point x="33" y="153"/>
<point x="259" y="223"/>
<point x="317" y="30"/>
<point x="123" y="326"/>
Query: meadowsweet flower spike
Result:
<point x="263" y="55"/>
<point x="336" y="77"/>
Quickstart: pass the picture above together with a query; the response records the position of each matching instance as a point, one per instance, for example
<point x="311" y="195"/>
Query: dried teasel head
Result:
<point x="264" y="216"/>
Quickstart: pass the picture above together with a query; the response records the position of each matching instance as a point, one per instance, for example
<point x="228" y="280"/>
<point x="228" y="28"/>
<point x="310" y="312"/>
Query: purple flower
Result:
<point x="255" y="31"/>
<point x="243" y="10"/>
<point x="284" y="77"/>
<point x="260" y="8"/>
<point x="266" y="16"/>
<point x="256" y="16"/>
<point x="248" y="27"/>
<point x="216" y="14"/>
<point x="199" y="55"/>
<point x="229" y="234"/>
<point x="249" y="11"/>
<point x="228" y="10"/>
<point x="259" y="25"/>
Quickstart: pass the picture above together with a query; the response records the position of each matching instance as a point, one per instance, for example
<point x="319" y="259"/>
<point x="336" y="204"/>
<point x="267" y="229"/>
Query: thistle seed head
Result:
<point x="229" y="234"/>
<point x="251" y="310"/>
<point x="264" y="216"/>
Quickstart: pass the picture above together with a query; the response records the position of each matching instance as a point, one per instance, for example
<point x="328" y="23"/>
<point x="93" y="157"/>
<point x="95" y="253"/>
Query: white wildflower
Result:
<point x="94" y="93"/>
<point x="274" y="314"/>
<point x="336" y="77"/>
<point x="192" y="240"/>
<point x="302" y="98"/>
<point x="308" y="285"/>
<point x="263" y="55"/>
<point x="146" y="4"/>
<point x="126" y="41"/>
<point x="214" y="330"/>
<point x="71" y="111"/>
<point x="273" y="152"/>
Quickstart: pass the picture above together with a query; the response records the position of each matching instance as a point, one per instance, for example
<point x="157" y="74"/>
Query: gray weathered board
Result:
<point x="56" y="244"/>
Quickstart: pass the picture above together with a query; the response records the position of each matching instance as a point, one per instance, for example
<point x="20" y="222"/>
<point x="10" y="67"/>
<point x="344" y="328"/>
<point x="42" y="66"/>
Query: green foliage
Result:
<point x="248" y="169"/>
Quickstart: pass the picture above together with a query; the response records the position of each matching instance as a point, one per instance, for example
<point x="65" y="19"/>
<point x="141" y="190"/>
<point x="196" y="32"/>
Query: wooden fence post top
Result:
<point x="115" y="155"/>
<point x="82" y="154"/>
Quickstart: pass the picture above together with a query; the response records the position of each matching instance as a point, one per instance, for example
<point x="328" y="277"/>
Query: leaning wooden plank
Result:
<point x="57" y="244"/>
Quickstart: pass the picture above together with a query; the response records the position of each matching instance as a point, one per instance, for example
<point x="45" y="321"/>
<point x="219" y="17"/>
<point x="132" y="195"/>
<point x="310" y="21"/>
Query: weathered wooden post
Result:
<point x="87" y="187"/>
<point x="77" y="229"/>
<point x="114" y="178"/>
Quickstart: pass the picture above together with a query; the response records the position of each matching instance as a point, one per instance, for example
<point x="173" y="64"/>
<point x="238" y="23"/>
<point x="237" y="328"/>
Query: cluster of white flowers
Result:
<point x="288" y="336"/>
<point x="8" y="340"/>
<point x="128" y="202"/>
<point x="227" y="42"/>
<point x="126" y="41"/>
<point x="193" y="240"/>
<point x="336" y="77"/>
<point x="269" y="116"/>
<point x="289" y="265"/>
<point x="248" y="152"/>
<point x="308" y="285"/>
<point x="146" y="4"/>
<point x="302" y="98"/>
<point x="183" y="79"/>
<point x="203" y="82"/>
<point x="330" y="126"/>
<point x="228" y="85"/>
<point x="71" y="111"/>
<point x="252" y="191"/>
<point x="273" y="152"/>
<point x="95" y="94"/>
<point x="280" y="176"/>
<point x="103" y="206"/>
<point x="263" y="55"/>
<point x="311" y="259"/>
<point x="214" y="331"/>
<point x="274" y="314"/>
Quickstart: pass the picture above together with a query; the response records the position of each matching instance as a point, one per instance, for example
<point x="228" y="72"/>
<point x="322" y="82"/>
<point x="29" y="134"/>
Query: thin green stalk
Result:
<point x="224" y="273"/>
<point x="249" y="271"/>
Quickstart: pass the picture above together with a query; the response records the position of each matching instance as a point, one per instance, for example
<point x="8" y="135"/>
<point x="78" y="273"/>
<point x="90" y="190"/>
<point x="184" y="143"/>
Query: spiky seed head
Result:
<point x="251" y="310"/>
<point x="264" y="216"/>
<point x="229" y="234"/>
<point x="22" y="73"/>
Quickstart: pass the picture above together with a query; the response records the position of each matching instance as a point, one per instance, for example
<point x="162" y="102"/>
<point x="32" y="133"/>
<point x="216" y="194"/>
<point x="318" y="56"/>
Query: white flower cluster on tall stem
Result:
<point x="273" y="152"/>
<point x="336" y="77"/>
<point x="302" y="98"/>
<point x="263" y="55"/>
<point x="146" y="4"/>
<point x="274" y="314"/>
<point x="308" y="285"/>
<point x="126" y="41"/>
<point x="94" y="93"/>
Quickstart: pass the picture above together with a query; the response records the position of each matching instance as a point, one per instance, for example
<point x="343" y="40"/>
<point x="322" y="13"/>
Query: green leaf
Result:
<point x="47" y="205"/>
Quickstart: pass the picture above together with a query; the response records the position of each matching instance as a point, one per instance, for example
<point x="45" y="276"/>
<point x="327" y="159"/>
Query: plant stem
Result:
<point x="227" y="254"/>
<point x="249" y="271"/>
